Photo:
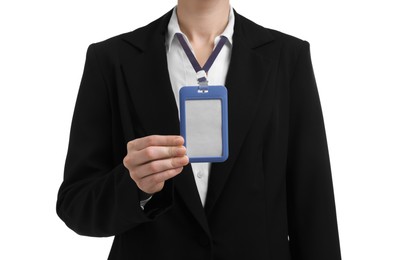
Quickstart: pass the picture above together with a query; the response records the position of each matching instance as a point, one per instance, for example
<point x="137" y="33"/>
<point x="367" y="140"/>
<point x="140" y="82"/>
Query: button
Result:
<point x="200" y="174"/>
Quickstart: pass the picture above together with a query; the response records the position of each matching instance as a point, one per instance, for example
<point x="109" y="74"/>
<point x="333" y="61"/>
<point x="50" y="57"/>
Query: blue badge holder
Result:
<point x="204" y="122"/>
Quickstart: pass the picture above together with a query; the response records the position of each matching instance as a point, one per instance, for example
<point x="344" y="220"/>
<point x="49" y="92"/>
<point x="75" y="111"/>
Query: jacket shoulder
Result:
<point x="137" y="38"/>
<point x="252" y="28"/>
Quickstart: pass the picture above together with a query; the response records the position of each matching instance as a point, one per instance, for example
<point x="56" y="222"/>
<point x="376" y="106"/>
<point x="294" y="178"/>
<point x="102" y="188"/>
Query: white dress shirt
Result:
<point x="182" y="73"/>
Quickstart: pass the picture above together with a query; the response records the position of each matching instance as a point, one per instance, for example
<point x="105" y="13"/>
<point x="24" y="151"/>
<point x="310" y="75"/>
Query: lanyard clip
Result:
<point x="202" y="82"/>
<point x="201" y="78"/>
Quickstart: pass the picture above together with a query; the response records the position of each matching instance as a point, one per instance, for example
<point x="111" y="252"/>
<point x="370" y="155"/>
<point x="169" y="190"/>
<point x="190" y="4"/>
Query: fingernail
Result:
<point x="181" y="139"/>
<point x="181" y="150"/>
<point x="187" y="159"/>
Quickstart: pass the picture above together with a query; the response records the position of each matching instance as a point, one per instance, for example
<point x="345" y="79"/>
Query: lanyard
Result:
<point x="201" y="72"/>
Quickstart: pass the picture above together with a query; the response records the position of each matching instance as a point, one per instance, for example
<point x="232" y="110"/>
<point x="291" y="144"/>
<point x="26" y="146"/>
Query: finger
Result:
<point x="155" y="182"/>
<point x="154" y="153"/>
<point x="158" y="166"/>
<point x="156" y="140"/>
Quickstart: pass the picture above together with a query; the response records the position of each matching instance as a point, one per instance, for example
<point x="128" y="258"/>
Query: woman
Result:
<point x="127" y="174"/>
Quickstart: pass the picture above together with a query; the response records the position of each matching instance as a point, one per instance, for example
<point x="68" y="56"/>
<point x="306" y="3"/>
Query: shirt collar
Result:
<point x="173" y="28"/>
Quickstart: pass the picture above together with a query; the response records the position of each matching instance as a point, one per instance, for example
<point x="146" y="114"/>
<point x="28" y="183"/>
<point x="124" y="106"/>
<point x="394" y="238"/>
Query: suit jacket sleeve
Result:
<point x="98" y="197"/>
<point x="311" y="211"/>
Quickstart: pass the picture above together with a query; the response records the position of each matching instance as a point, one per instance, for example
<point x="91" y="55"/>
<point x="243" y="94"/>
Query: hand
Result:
<point x="154" y="159"/>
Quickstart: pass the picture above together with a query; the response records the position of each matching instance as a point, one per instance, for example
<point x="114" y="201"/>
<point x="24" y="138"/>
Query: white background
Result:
<point x="42" y="50"/>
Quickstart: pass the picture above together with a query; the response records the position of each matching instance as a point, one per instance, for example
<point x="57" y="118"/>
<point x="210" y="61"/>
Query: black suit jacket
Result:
<point x="272" y="198"/>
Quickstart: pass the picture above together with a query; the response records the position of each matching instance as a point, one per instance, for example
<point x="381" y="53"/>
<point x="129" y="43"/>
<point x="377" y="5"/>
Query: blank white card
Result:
<point x="204" y="128"/>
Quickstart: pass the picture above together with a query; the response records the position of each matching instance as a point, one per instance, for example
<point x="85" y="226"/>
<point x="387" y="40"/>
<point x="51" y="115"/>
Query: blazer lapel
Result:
<point x="246" y="81"/>
<point x="148" y="82"/>
<point x="149" y="85"/>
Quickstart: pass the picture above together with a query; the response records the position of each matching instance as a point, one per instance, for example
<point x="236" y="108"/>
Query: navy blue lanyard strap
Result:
<point x="201" y="71"/>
